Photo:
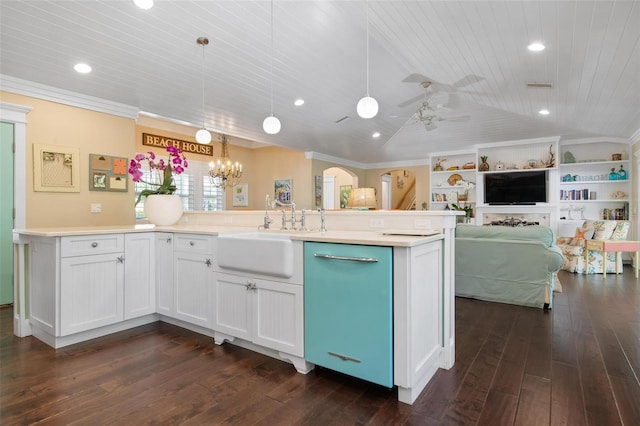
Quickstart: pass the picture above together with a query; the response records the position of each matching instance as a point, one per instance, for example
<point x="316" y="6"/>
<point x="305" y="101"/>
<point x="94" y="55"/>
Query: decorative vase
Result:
<point x="163" y="210"/>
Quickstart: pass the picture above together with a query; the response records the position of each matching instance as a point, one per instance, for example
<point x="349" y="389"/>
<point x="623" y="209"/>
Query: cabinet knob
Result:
<point x="169" y="240"/>
<point x="94" y="244"/>
<point x="191" y="243"/>
<point x="251" y="286"/>
<point x="120" y="259"/>
<point x="207" y="262"/>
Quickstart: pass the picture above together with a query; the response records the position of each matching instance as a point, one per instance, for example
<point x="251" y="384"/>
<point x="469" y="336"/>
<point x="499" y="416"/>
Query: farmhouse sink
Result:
<point x="257" y="252"/>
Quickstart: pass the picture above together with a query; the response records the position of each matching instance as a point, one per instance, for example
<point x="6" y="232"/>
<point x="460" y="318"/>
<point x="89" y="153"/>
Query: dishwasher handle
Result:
<point x="353" y="259"/>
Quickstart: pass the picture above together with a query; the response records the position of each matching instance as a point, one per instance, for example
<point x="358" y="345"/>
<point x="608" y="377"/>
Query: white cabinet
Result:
<point x="588" y="189"/>
<point x="91" y="282"/>
<point x="164" y="274"/>
<point x="267" y="313"/>
<point x="444" y="190"/>
<point x="193" y="257"/>
<point x="140" y="275"/>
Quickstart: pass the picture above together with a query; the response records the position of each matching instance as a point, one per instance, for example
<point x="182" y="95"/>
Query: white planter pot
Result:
<point x="163" y="210"/>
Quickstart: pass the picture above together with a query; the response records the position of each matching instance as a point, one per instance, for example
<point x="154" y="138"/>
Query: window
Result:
<point x="193" y="186"/>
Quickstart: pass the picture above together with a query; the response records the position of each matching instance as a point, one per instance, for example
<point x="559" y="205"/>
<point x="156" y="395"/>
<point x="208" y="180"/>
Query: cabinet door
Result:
<point x="139" y="275"/>
<point x="279" y="316"/>
<point x="91" y="292"/>
<point x="164" y="274"/>
<point x="193" y="278"/>
<point x="233" y="313"/>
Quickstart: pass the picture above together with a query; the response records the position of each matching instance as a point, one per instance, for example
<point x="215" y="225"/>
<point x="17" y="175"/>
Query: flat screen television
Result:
<point x="528" y="187"/>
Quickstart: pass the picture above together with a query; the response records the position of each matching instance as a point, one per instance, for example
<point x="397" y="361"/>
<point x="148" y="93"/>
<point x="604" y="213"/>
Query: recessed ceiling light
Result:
<point x="82" y="68"/>
<point x="144" y="4"/>
<point x="543" y="112"/>
<point x="299" y="102"/>
<point x="376" y="135"/>
<point x="536" y="47"/>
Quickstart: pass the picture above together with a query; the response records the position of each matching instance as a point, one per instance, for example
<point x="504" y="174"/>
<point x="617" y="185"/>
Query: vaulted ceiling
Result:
<point x="475" y="52"/>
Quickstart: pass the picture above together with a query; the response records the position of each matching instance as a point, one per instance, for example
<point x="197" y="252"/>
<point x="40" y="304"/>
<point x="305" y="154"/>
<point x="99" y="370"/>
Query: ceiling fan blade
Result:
<point x="410" y="101"/>
<point x="415" y="78"/>
<point x="467" y="81"/>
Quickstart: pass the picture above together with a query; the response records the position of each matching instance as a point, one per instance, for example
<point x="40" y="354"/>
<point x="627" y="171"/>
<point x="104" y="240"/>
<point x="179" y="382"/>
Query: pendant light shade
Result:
<point x="367" y="107"/>
<point x="271" y="125"/>
<point x="203" y="136"/>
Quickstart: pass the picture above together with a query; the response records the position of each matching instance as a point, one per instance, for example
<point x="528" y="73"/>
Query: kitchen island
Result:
<point x="89" y="282"/>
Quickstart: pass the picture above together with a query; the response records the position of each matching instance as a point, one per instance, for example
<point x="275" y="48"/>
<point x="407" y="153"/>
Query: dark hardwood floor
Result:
<point x="577" y="364"/>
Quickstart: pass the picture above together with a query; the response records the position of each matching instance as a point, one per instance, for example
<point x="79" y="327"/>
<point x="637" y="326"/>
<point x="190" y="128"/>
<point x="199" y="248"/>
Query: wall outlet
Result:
<point x="96" y="208"/>
<point x="422" y="223"/>
<point x="376" y="223"/>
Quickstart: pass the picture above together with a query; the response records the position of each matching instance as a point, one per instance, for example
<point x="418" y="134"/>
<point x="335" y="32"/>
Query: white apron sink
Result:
<point x="257" y="252"/>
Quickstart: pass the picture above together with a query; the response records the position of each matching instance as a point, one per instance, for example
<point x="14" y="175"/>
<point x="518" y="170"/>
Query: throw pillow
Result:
<point x="621" y="231"/>
<point x="579" y="238"/>
<point x="603" y="229"/>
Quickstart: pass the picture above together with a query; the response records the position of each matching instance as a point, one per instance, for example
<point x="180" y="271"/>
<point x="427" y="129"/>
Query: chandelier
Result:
<point x="223" y="172"/>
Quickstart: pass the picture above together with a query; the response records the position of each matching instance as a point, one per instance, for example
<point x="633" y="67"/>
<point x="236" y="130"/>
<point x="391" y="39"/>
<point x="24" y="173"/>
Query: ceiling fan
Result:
<point x="428" y="114"/>
<point x="435" y="87"/>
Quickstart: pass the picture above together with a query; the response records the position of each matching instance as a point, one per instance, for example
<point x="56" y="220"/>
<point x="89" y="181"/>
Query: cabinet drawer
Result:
<point x="193" y="243"/>
<point x="84" y="245"/>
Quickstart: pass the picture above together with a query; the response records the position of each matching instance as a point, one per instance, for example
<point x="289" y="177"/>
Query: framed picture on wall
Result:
<point x="241" y="195"/>
<point x="56" y="168"/>
<point x="282" y="188"/>
<point x="318" y="191"/>
<point x="345" y="192"/>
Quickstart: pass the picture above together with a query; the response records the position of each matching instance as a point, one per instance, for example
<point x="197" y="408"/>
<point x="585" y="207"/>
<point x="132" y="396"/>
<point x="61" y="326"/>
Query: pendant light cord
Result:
<point x="367" y="6"/>
<point x="203" y="114"/>
<point x="271" y="57"/>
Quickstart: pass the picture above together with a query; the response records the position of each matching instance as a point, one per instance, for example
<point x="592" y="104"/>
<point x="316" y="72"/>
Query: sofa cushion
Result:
<point x="542" y="234"/>
<point x="603" y="229"/>
<point x="622" y="230"/>
<point x="569" y="250"/>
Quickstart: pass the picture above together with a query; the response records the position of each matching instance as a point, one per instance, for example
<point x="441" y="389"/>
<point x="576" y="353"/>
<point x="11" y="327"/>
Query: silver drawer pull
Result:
<point x="344" y="357"/>
<point x="353" y="259"/>
<point x="94" y="244"/>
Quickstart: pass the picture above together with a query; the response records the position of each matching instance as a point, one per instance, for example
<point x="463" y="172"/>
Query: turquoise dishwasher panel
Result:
<point x="348" y="309"/>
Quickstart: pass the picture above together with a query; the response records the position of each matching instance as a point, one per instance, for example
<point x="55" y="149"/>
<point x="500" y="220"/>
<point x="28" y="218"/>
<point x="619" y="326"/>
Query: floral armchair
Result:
<point x="573" y="246"/>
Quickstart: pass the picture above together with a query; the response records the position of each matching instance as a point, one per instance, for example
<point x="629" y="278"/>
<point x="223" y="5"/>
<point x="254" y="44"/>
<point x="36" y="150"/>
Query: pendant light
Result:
<point x="271" y="124"/>
<point x="367" y="107"/>
<point x="203" y="136"/>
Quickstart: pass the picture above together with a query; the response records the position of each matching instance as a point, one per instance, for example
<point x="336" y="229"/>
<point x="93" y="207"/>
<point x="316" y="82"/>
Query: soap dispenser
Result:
<point x="622" y="174"/>
<point x="613" y="175"/>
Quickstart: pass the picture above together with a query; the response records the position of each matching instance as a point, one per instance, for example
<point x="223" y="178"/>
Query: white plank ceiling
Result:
<point x="150" y="60"/>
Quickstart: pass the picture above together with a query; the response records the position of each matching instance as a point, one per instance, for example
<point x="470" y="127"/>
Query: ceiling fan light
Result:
<point x="271" y="125"/>
<point x="203" y="136"/>
<point x="367" y="107"/>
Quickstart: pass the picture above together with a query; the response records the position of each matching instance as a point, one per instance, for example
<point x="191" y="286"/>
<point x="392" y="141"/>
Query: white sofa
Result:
<point x="572" y="246"/>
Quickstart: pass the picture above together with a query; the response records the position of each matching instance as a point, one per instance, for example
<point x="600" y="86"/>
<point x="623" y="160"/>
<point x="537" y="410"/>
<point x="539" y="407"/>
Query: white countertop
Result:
<point x="378" y="238"/>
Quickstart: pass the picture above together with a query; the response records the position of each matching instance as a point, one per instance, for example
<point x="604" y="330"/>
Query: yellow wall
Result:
<point x="91" y="132"/>
<point x="373" y="179"/>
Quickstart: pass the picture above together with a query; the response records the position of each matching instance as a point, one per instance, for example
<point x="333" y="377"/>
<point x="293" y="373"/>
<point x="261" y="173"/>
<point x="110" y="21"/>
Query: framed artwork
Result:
<point x="345" y="192"/>
<point x="107" y="173"/>
<point x="318" y="191"/>
<point x="241" y="195"/>
<point x="282" y="190"/>
<point x="56" y="168"/>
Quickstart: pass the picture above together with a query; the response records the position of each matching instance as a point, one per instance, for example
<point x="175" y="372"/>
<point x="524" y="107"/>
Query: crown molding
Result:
<point x="65" y="97"/>
<point x="13" y="112"/>
<point x="312" y="155"/>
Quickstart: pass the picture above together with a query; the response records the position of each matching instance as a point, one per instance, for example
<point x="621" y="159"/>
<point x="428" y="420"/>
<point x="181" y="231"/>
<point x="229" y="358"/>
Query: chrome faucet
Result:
<point x="323" y="227"/>
<point x="293" y="219"/>
<point x="267" y="220"/>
